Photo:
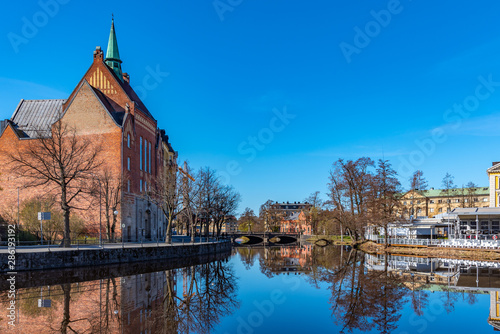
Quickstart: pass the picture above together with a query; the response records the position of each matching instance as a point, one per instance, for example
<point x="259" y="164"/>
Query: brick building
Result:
<point x="298" y="222"/>
<point x="289" y="208"/>
<point x="102" y="105"/>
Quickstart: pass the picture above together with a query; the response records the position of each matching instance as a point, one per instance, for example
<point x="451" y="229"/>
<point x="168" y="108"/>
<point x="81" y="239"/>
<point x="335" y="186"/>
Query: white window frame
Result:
<point x="140" y="153"/>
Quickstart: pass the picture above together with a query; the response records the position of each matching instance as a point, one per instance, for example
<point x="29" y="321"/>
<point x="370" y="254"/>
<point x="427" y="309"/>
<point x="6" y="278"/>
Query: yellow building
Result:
<point x="429" y="203"/>
<point x="494" y="177"/>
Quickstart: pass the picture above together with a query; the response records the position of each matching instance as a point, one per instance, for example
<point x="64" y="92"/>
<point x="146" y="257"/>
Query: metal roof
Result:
<point x="34" y="118"/>
<point x="475" y="211"/>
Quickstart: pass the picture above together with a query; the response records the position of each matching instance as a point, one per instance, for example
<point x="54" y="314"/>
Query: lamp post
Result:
<point x="115" y="213"/>
<point x="100" y="201"/>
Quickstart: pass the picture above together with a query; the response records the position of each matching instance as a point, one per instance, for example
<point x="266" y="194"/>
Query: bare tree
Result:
<point x="207" y="183"/>
<point x="226" y="202"/>
<point x="271" y="216"/>
<point x="313" y="215"/>
<point x="418" y="181"/>
<point x="110" y="190"/>
<point x="384" y="201"/>
<point x="60" y="162"/>
<point x="447" y="191"/>
<point x="470" y="191"/>
<point x="418" y="184"/>
<point x="166" y="193"/>
<point x="349" y="188"/>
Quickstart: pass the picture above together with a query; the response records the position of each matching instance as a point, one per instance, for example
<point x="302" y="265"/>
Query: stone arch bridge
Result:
<point x="261" y="238"/>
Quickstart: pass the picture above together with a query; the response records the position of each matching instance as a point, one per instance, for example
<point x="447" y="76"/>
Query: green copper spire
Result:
<point x="112" y="55"/>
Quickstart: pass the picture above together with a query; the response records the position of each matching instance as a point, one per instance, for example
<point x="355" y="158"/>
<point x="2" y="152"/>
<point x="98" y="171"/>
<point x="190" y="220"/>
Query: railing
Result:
<point x="93" y="243"/>
<point x="410" y="242"/>
<point x="451" y="243"/>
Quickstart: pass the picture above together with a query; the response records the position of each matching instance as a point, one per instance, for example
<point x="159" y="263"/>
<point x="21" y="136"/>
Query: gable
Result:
<point x="100" y="81"/>
<point x="412" y="195"/>
<point x="494" y="169"/>
<point x="119" y="92"/>
<point x="88" y="113"/>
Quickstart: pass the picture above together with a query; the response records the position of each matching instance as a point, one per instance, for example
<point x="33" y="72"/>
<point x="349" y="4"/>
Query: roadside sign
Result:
<point x="44" y="216"/>
<point x="44" y="303"/>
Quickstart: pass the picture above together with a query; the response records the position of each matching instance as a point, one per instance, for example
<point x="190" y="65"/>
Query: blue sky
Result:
<point x="416" y="82"/>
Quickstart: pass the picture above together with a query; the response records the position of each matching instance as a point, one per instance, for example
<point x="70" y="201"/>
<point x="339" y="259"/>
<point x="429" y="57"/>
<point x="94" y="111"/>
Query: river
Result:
<point x="307" y="289"/>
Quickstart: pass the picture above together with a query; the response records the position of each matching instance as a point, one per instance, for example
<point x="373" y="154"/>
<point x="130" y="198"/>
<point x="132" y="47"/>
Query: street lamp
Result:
<point x="100" y="201"/>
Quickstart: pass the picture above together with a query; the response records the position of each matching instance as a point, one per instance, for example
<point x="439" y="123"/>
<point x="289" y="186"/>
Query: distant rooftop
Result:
<point x="455" y="192"/>
<point x="34" y="118"/>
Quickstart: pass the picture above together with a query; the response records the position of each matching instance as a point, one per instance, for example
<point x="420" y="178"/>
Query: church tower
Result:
<point x="112" y="55"/>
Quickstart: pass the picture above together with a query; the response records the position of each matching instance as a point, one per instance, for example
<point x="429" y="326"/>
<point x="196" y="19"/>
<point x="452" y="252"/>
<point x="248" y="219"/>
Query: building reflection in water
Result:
<point x="187" y="300"/>
<point x="450" y="276"/>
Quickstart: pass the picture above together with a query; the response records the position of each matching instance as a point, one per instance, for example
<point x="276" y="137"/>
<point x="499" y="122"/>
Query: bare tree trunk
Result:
<point x="66" y="242"/>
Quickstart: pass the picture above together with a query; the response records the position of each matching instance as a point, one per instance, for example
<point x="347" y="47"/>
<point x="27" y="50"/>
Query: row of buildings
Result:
<point x="426" y="206"/>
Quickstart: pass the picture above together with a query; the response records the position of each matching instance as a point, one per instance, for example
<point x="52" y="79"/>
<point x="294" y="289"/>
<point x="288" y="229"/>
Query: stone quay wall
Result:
<point x="97" y="257"/>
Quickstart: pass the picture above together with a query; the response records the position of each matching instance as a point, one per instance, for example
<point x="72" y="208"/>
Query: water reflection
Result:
<point x="193" y="299"/>
<point x="348" y="290"/>
<point x="369" y="293"/>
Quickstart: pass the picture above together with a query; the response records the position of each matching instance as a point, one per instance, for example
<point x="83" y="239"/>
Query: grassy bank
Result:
<point x="333" y="239"/>
<point x="433" y="252"/>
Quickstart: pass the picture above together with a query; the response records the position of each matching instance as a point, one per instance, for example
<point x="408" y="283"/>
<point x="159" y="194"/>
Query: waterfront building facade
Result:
<point x="296" y="223"/>
<point x="429" y="203"/>
<point x="494" y="178"/>
<point x="104" y="106"/>
<point x="288" y="209"/>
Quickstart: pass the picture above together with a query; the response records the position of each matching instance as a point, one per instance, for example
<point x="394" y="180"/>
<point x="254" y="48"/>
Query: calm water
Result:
<point x="255" y="290"/>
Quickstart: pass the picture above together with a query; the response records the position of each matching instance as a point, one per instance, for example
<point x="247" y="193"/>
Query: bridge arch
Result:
<point x="252" y="239"/>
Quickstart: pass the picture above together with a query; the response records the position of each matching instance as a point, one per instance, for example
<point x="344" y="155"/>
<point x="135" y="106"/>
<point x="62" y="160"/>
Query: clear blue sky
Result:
<point x="377" y="93"/>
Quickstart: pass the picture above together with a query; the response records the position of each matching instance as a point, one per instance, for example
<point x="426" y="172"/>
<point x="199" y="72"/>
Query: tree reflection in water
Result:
<point x="361" y="299"/>
<point x="209" y="294"/>
<point x="133" y="304"/>
<point x="365" y="293"/>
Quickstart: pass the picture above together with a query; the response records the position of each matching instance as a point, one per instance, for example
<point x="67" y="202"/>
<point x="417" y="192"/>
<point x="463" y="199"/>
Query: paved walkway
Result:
<point x="176" y="241"/>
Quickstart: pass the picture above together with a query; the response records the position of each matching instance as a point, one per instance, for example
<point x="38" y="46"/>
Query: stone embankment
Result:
<point x="71" y="258"/>
<point x="35" y="278"/>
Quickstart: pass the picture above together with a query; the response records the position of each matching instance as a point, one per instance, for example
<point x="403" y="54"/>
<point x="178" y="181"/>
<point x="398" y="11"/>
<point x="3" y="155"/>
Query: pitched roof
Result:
<point x="494" y="168"/>
<point x="294" y="216"/>
<point x="118" y="116"/>
<point x="479" y="191"/>
<point x="456" y="192"/>
<point x="131" y="94"/>
<point x="34" y="118"/>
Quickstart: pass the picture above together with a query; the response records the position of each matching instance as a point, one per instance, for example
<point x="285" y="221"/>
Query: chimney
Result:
<point x="98" y="55"/>
<point x="126" y="78"/>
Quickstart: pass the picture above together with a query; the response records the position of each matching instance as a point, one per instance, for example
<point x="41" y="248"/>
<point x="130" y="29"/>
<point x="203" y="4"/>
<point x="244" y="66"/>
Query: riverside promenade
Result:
<point x="28" y="258"/>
